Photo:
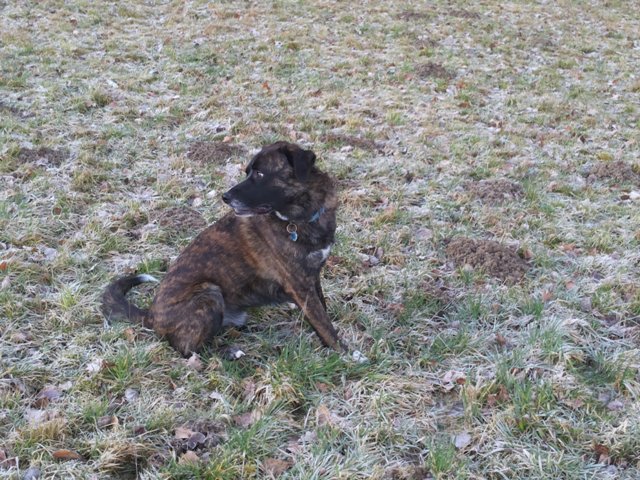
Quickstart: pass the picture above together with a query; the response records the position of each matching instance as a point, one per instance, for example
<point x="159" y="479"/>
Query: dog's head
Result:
<point x="277" y="181"/>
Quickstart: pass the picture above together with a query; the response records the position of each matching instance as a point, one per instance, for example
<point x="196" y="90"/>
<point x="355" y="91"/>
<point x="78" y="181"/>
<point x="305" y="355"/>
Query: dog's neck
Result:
<point x="314" y="218"/>
<point x="292" y="228"/>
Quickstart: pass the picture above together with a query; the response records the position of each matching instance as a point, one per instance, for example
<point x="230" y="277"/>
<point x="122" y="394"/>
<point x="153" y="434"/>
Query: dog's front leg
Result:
<point x="320" y="293"/>
<point x="312" y="306"/>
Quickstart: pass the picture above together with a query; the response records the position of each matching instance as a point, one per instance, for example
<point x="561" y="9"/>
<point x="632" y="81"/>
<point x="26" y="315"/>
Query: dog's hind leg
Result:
<point x="192" y="323"/>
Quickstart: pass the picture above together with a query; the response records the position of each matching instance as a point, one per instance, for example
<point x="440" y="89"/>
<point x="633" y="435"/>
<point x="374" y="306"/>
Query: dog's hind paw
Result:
<point x="359" y="357"/>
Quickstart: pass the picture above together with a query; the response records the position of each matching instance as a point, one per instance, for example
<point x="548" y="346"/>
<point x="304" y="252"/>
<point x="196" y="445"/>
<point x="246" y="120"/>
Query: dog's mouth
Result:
<point x="243" y="211"/>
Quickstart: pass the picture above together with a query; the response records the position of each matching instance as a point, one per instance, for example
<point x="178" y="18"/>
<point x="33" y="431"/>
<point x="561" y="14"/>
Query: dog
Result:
<point x="269" y="250"/>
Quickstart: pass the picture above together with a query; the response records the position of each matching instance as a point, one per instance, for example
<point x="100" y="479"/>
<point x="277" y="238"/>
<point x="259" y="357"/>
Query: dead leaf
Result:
<point x="503" y="394"/>
<point x="248" y="389"/>
<point x="3" y="266"/>
<point x="547" y="295"/>
<point x="194" y="362"/>
<point x="6" y="461"/>
<point x="46" y="395"/>
<point x="217" y="396"/>
<point x="501" y="340"/>
<point x="324" y="416"/>
<point x="95" y="366"/>
<point x="245" y="420"/>
<point x="308" y="437"/>
<point x="37" y="417"/>
<point x="462" y="440"/>
<point x="66" y="385"/>
<point x="64" y="454"/>
<point x="453" y="378"/>
<point x="500" y="397"/>
<point x="275" y="467"/>
<point x="182" y="433"/>
<point x="20" y="337"/>
<point x="107" y="421"/>
<point x="322" y="387"/>
<point x="293" y="447"/>
<point x="189" y="457"/>
<point x="574" y="403"/>
<point x="196" y="440"/>
<point x="526" y="254"/>
<point x="130" y="334"/>
<point x="395" y="309"/>
<point x="602" y="453"/>
<point x="266" y="86"/>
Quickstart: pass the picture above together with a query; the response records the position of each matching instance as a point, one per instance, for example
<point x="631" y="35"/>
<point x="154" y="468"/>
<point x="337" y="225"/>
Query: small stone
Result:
<point x="130" y="394"/>
<point x="585" y="304"/>
<point x="615" y="405"/>
<point x="359" y="357"/>
<point x="32" y="473"/>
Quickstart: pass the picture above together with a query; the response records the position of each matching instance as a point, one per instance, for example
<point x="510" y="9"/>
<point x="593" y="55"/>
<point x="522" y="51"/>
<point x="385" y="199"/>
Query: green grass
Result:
<point x="405" y="105"/>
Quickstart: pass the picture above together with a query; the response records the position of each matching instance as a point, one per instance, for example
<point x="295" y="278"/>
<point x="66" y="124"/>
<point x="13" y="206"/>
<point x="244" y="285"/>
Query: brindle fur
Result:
<point x="247" y="259"/>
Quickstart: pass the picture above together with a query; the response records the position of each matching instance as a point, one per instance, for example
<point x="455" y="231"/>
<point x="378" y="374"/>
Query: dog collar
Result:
<point x="292" y="228"/>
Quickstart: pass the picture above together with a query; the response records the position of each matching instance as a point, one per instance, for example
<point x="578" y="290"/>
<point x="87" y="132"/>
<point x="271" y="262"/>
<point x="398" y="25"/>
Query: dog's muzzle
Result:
<point x="243" y="210"/>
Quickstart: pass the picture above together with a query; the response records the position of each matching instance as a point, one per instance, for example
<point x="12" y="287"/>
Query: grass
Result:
<point x="404" y="104"/>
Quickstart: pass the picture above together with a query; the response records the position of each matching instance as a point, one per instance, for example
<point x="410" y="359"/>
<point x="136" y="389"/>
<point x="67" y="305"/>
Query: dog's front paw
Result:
<point x="232" y="352"/>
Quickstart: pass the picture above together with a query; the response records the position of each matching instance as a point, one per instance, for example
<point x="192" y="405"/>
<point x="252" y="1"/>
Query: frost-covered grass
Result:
<point x="410" y="105"/>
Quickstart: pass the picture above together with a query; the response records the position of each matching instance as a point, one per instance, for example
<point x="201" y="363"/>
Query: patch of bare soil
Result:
<point x="614" y="172"/>
<point x="489" y="256"/>
<point x="413" y="15"/>
<point x="495" y="191"/>
<point x="434" y="70"/>
<point x="13" y="110"/>
<point x="181" y="220"/>
<point x="199" y="436"/>
<point x="213" y="152"/>
<point x="463" y="14"/>
<point x="356" y="142"/>
<point x="42" y="154"/>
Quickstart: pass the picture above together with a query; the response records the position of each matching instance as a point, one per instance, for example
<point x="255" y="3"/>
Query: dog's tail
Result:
<point x="115" y="304"/>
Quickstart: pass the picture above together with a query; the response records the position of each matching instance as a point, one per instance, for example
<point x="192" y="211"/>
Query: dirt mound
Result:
<point x="488" y="256"/>
<point x="614" y="172"/>
<point x="48" y="155"/>
<point x="434" y="70"/>
<point x="415" y="15"/>
<point x="181" y="220"/>
<point x="463" y="14"/>
<point x="495" y="190"/>
<point x="355" y="142"/>
<point x="14" y="110"/>
<point x="213" y="152"/>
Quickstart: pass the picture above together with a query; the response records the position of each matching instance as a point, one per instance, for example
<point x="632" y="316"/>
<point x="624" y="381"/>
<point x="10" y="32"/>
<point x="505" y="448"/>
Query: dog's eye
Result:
<point x="258" y="174"/>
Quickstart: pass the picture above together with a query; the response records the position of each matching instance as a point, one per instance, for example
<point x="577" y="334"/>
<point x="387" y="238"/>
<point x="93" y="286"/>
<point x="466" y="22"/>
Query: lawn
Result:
<point x="487" y="258"/>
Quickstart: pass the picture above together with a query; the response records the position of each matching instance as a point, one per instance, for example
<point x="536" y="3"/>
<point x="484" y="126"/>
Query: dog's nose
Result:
<point x="226" y="198"/>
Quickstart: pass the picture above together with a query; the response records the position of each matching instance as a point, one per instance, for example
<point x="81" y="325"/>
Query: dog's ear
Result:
<point x="301" y="160"/>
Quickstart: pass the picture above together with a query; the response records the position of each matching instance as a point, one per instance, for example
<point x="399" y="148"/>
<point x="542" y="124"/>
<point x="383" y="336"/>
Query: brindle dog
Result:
<point x="270" y="250"/>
